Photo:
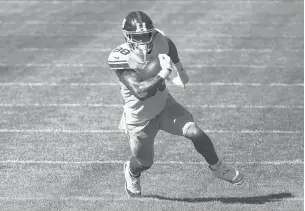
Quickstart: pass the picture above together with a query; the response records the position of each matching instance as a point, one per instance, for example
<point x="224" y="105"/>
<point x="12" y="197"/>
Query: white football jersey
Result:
<point x="122" y="57"/>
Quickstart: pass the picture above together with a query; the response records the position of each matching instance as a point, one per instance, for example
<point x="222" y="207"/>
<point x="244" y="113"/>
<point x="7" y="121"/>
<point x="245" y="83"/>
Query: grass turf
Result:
<point x="39" y="32"/>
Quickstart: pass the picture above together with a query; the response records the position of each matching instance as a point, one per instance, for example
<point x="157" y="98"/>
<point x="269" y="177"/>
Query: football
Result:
<point x="151" y="69"/>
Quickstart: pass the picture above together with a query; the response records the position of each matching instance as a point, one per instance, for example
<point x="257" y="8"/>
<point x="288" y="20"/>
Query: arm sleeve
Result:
<point x="172" y="52"/>
<point x="118" y="65"/>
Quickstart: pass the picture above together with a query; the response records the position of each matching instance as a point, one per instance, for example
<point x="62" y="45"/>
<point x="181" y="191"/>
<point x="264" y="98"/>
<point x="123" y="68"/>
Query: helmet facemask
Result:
<point x="140" y="40"/>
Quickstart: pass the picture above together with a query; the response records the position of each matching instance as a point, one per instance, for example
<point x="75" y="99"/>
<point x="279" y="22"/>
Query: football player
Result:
<point x="149" y="107"/>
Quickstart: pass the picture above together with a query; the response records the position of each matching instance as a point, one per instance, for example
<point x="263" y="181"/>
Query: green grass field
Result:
<point x="60" y="105"/>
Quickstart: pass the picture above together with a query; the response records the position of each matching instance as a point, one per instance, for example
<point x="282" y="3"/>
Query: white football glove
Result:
<point x="179" y="76"/>
<point x="165" y="61"/>
<point x="166" y="65"/>
<point x="177" y="81"/>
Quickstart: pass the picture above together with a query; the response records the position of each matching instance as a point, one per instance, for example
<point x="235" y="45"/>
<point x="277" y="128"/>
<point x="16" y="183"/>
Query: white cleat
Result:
<point x="228" y="174"/>
<point x="132" y="184"/>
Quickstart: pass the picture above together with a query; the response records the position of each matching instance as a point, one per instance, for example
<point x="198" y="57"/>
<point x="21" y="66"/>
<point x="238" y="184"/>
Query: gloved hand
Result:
<point x="165" y="61"/>
<point x="179" y="76"/>
<point x="166" y="65"/>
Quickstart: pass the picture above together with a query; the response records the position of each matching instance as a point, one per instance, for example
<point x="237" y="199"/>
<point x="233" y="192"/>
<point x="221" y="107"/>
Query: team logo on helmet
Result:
<point x="141" y="29"/>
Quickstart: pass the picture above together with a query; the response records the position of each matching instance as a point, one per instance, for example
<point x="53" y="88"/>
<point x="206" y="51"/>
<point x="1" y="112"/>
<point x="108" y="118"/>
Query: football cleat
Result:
<point x="228" y="174"/>
<point x="132" y="184"/>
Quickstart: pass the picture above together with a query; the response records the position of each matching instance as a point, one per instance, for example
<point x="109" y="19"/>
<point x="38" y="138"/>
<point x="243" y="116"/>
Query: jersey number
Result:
<point x="123" y="51"/>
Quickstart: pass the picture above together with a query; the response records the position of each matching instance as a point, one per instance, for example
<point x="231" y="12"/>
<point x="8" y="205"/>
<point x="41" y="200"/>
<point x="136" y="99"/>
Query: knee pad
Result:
<point x="192" y="131"/>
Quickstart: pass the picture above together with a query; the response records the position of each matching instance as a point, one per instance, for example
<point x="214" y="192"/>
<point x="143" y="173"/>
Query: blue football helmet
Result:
<point x="139" y="32"/>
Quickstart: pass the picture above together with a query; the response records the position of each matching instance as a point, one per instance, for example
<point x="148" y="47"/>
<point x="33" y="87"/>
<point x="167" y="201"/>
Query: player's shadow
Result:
<point x="230" y="200"/>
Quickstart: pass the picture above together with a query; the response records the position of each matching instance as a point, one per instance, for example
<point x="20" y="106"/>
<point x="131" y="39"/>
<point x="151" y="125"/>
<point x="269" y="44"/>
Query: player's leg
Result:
<point x="204" y="146"/>
<point x="177" y="120"/>
<point x="141" y="140"/>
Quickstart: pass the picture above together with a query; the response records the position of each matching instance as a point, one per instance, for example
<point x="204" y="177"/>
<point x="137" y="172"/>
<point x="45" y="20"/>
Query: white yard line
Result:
<point x="182" y="35"/>
<point x="207" y="50"/>
<point x="163" y="2"/>
<point x="111" y="198"/>
<point x="11" y="105"/>
<point x="117" y="84"/>
<point x="55" y="131"/>
<point x="117" y="131"/>
<point x="172" y="22"/>
<point x="63" y="65"/>
<point x="25" y="162"/>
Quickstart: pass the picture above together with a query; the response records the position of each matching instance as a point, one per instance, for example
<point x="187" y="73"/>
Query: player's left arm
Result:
<point x="173" y="54"/>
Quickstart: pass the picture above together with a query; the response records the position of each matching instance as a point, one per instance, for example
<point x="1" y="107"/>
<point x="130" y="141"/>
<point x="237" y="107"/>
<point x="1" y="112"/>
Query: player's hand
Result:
<point x="165" y="61"/>
<point x="166" y="65"/>
<point x="177" y="81"/>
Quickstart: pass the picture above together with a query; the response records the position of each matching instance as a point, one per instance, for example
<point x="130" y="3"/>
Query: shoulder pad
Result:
<point x="123" y="57"/>
<point x="119" y="57"/>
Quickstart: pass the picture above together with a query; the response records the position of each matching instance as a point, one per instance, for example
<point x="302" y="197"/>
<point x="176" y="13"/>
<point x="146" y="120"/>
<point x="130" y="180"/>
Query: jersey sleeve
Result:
<point x="119" y="59"/>
<point x="117" y="62"/>
<point x="172" y="53"/>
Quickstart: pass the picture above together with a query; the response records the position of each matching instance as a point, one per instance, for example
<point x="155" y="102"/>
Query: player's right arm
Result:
<point x="140" y="89"/>
<point x="119" y="61"/>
